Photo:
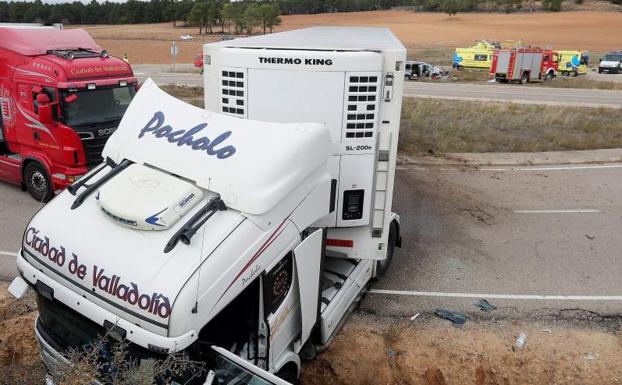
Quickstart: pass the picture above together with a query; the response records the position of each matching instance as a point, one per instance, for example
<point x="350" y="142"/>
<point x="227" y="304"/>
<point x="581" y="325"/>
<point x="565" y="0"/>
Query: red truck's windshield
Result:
<point x="96" y="106"/>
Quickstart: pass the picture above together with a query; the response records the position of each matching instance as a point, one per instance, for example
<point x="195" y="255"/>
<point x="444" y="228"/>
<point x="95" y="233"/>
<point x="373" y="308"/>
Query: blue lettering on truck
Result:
<point x="185" y="137"/>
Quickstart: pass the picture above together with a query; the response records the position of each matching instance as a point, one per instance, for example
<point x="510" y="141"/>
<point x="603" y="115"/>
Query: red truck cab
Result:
<point x="61" y="97"/>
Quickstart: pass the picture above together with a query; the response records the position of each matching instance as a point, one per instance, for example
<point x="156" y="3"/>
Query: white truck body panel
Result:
<point x="308" y="268"/>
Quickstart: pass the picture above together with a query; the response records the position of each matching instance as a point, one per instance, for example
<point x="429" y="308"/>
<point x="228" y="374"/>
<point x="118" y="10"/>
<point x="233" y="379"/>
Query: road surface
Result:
<point x="512" y="236"/>
<point x="533" y="94"/>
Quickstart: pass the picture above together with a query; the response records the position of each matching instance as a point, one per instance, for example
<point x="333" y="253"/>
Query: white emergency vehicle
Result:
<point x="242" y="243"/>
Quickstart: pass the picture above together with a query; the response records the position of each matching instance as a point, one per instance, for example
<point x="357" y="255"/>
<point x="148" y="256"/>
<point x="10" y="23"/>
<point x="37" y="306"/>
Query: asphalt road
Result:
<point x="440" y="90"/>
<point x="510" y="236"/>
<point x="515" y="94"/>
<point x="468" y="232"/>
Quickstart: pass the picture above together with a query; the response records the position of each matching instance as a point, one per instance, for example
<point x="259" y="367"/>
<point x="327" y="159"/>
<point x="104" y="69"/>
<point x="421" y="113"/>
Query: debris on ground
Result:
<point x="455" y="317"/>
<point x="414" y="317"/>
<point x="590" y="356"/>
<point x="520" y="342"/>
<point x="484" y="305"/>
<point x="590" y="237"/>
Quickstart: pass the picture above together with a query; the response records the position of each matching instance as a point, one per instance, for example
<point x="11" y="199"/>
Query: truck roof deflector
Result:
<point x="187" y="231"/>
<point x="116" y="168"/>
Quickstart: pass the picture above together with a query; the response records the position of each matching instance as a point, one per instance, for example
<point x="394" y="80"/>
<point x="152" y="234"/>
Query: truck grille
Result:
<point x="361" y="105"/>
<point x="233" y="92"/>
<point x="64" y="329"/>
<point x="93" y="143"/>
<point x="93" y="150"/>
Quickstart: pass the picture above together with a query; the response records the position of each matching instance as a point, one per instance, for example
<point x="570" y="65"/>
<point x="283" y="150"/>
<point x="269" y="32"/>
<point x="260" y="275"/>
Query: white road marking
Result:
<point x="139" y="73"/>
<point x="8" y="253"/>
<point x="556" y="211"/>
<point x="499" y="296"/>
<point x="475" y="168"/>
<point x="554" y="168"/>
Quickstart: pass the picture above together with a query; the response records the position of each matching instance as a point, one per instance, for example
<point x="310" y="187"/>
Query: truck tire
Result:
<point x="38" y="182"/>
<point x="289" y="373"/>
<point x="524" y="78"/>
<point x="383" y="266"/>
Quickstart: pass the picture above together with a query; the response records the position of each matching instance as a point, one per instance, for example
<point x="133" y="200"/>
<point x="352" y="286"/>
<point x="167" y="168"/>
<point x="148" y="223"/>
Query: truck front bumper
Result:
<point x="97" y="314"/>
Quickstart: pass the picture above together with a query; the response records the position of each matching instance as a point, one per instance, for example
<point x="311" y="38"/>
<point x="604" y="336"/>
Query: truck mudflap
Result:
<point x="99" y="315"/>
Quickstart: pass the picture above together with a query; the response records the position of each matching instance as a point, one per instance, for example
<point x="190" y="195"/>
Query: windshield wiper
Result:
<point x="187" y="231"/>
<point x="116" y="168"/>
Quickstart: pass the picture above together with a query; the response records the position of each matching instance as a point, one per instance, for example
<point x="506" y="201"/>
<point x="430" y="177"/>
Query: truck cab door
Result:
<point x="228" y="369"/>
<point x="308" y="256"/>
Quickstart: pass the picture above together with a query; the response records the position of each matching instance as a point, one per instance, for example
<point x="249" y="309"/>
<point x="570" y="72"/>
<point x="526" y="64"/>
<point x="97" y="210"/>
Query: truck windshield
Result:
<point x="96" y="106"/>
<point x="613" y="57"/>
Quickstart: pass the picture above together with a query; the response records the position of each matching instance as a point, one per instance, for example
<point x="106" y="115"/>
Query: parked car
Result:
<point x="611" y="63"/>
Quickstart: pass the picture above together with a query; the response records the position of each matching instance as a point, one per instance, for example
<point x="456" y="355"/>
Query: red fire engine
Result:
<point x="61" y="97"/>
<point x="524" y="64"/>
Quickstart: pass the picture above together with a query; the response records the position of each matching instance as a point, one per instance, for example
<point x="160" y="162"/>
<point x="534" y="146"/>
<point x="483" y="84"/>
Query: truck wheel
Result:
<point x="524" y="78"/>
<point x="289" y="373"/>
<point x="38" y="182"/>
<point x="383" y="266"/>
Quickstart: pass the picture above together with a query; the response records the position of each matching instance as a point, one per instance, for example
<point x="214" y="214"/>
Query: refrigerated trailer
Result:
<point x="240" y="238"/>
<point x="351" y="80"/>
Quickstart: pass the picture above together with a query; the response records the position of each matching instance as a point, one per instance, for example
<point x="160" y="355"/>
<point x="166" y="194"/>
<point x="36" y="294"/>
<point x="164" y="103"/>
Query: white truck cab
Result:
<point x="243" y="243"/>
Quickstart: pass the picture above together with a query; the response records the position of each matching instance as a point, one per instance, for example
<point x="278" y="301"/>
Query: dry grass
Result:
<point x="445" y="126"/>
<point x="582" y="82"/>
<point x="192" y="95"/>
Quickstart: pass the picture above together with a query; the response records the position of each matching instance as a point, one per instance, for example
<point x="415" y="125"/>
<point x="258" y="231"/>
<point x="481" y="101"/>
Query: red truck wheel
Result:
<point x="525" y="78"/>
<point x="38" y="182"/>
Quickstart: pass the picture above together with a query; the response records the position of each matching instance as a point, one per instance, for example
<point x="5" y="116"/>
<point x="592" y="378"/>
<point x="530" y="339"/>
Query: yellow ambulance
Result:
<point x="480" y="55"/>
<point x="573" y="62"/>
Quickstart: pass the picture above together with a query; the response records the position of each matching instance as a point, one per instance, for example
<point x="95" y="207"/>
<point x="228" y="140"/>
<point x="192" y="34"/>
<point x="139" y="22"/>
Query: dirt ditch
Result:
<point x="430" y="351"/>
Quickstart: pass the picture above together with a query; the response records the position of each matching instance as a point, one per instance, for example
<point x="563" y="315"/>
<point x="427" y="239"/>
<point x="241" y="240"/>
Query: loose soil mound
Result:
<point x="432" y="352"/>
<point x="19" y="353"/>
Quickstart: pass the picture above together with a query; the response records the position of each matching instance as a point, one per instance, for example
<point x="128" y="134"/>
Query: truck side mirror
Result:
<point x="45" y="108"/>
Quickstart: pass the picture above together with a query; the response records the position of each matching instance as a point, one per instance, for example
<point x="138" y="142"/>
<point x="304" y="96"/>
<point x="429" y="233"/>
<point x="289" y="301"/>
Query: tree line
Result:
<point x="202" y="13"/>
<point x="243" y="16"/>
